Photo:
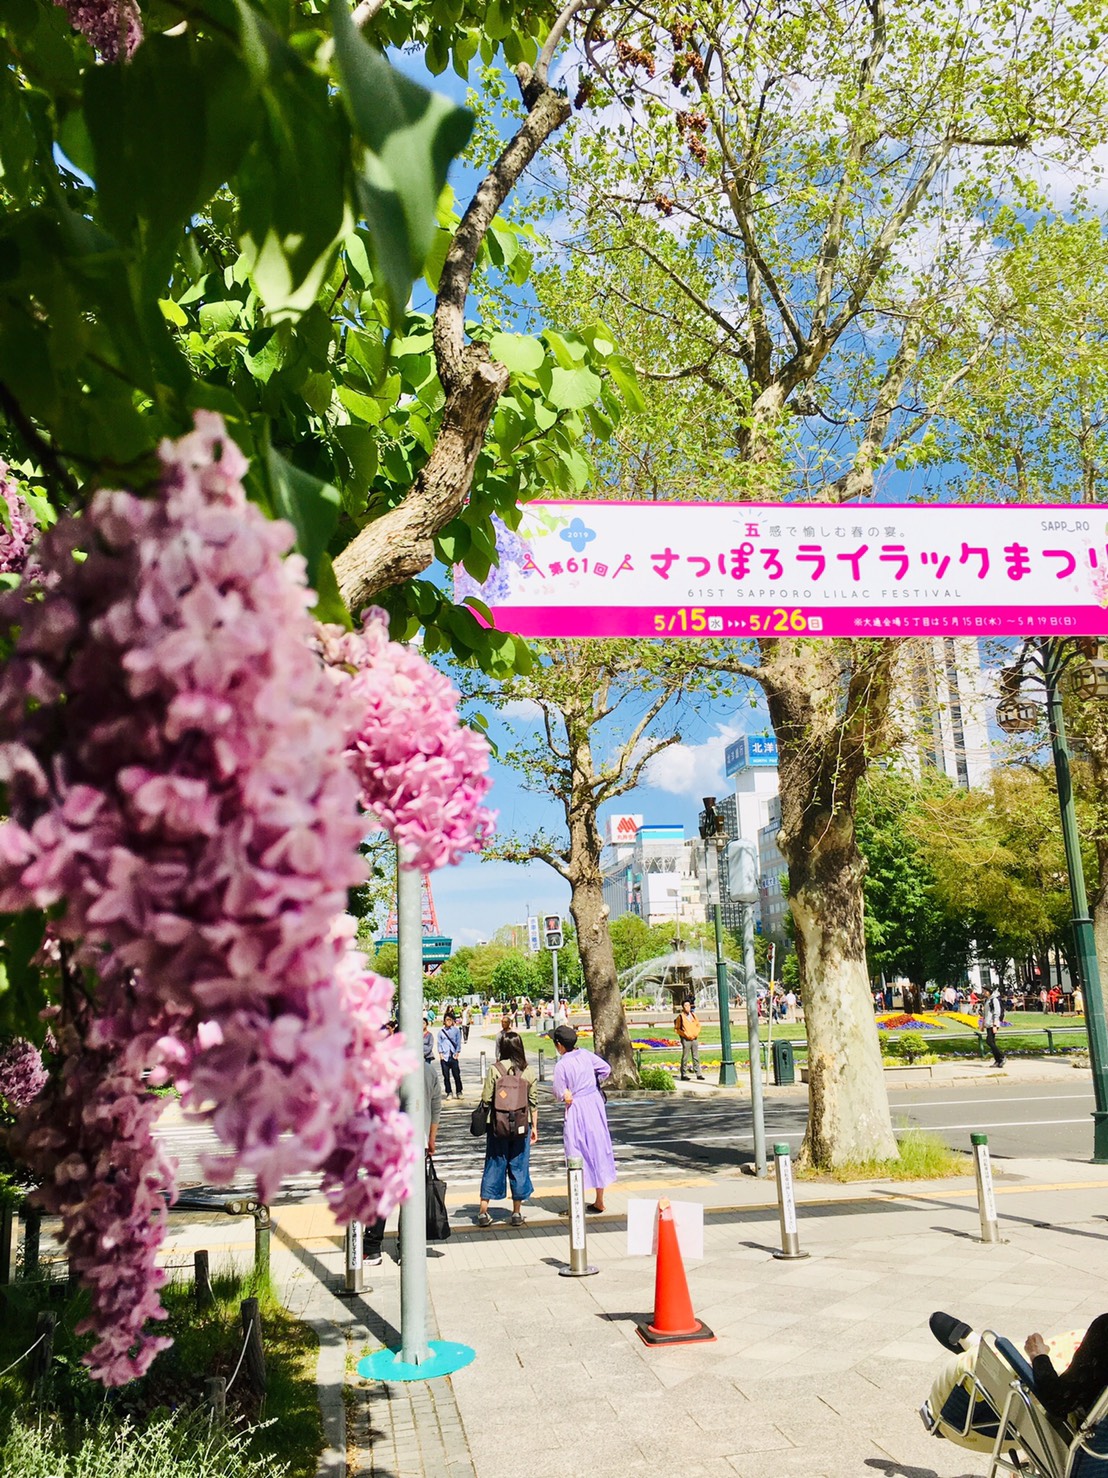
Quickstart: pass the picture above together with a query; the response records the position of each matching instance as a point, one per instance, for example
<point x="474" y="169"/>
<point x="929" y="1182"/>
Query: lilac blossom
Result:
<point x="22" y="1075"/>
<point x="421" y="771"/>
<point x="511" y="553"/>
<point x="17" y="536"/>
<point x="368" y="1171"/>
<point x="90" y="1140"/>
<point x="175" y="757"/>
<point x="113" y="27"/>
<point x="185" y="778"/>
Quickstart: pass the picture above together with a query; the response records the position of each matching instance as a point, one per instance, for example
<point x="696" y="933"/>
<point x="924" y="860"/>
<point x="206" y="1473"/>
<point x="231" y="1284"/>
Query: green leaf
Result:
<point x="411" y="135"/>
<point x="310" y="505"/>
<point x="152" y="173"/>
<point x="219" y="317"/>
<point x="622" y="372"/>
<point x="519" y="352"/>
<point x="293" y="208"/>
<point x="573" y="390"/>
<point x="22" y="996"/>
<point x="329" y="605"/>
<point x="360" y="445"/>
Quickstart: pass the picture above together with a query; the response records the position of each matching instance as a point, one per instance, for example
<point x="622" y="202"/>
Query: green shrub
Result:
<point x="657" y="1080"/>
<point x="181" y="1445"/>
<point x="909" y="1045"/>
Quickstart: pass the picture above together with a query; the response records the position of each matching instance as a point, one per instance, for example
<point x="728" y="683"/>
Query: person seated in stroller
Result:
<point x="1067" y="1395"/>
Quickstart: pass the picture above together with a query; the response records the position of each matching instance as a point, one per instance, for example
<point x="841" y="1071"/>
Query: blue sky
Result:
<point x="475" y="898"/>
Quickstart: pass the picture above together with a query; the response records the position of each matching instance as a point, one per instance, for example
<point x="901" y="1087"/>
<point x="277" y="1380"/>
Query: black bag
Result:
<point x="479" y="1120"/>
<point x="438" y="1223"/>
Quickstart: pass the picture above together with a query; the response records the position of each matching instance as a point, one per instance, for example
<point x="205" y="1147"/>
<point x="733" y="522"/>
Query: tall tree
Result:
<point x="788" y="223"/>
<point x="1033" y="422"/>
<point x="911" y="929"/>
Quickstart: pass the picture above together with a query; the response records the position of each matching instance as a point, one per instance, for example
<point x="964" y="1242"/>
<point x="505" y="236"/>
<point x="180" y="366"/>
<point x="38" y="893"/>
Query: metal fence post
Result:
<point x="986" y="1201"/>
<point x="542" y="1066"/>
<point x="578" y="1255"/>
<point x="786" y="1204"/>
<point x="263" y="1226"/>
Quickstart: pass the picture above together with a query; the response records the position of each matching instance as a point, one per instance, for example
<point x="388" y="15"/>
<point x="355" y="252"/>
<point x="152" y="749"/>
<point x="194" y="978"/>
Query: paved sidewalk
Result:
<point x="818" y="1369"/>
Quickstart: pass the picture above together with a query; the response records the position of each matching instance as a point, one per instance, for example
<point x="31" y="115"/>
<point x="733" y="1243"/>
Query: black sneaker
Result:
<point x="950" y="1332"/>
<point x="700" y="1077"/>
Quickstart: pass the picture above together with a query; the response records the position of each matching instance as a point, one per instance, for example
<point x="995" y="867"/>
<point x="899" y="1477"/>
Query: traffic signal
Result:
<point x="552" y="930"/>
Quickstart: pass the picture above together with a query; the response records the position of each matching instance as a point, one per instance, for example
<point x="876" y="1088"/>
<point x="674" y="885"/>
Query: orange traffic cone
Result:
<point x="674" y="1322"/>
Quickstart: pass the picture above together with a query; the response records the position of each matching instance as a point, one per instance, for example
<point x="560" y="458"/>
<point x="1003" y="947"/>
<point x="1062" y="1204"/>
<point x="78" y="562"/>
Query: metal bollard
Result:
<point x="786" y="1204"/>
<point x="542" y="1066"/>
<point x="354" y="1268"/>
<point x="578" y="1255"/>
<point x="484" y="1064"/>
<point x="986" y="1201"/>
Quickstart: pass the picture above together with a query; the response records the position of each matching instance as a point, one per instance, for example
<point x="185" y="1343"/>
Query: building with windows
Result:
<point x="944" y="693"/>
<point x="772" y="872"/>
<point x="654" y="875"/>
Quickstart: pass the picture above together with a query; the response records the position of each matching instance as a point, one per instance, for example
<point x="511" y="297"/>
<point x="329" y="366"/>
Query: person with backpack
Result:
<point x="991" y="1014"/>
<point x="513" y="1127"/>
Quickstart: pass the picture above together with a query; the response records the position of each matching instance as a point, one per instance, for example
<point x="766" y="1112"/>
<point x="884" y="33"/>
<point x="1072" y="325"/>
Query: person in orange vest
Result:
<point x="687" y="1027"/>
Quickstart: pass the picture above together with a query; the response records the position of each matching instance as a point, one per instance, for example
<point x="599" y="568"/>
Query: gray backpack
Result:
<point x="509" y="1104"/>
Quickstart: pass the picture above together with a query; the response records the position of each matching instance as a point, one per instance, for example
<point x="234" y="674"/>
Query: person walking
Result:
<point x="450" y="1046"/>
<point x="509" y="1090"/>
<point x="374" y="1235"/>
<point x="467" y="1021"/>
<point x="992" y="1013"/>
<point x="577" y="1078"/>
<point x="687" y="1027"/>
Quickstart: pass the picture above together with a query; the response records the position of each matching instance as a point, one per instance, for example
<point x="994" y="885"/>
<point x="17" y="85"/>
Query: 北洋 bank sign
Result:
<point x="757" y="569"/>
<point x="751" y="752"/>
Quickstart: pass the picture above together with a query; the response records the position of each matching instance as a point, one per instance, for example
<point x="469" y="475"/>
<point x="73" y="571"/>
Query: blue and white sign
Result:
<point x="751" y="752"/>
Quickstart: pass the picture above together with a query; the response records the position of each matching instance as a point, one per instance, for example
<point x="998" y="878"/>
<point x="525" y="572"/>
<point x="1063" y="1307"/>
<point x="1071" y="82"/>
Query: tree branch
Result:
<point x="400" y="544"/>
<point x="832" y="235"/>
<point x="858" y="482"/>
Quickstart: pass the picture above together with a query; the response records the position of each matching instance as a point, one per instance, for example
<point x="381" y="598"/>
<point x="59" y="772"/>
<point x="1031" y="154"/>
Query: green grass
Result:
<point x="923" y="1156"/>
<point x="180" y="1444"/>
<point x="285" y="1436"/>
<point x="953" y="1040"/>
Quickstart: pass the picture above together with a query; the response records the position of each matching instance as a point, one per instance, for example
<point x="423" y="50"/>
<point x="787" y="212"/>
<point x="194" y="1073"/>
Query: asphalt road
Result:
<point x="703" y="1136"/>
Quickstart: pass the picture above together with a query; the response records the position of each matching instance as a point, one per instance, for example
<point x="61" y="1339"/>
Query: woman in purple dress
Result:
<point x="577" y="1078"/>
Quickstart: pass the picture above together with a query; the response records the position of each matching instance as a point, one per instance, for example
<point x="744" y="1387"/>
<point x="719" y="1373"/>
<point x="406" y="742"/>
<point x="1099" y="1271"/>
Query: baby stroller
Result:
<point x="993" y="1408"/>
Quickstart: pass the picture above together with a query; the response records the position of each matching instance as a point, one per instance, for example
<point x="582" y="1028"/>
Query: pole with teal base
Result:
<point x="418" y="1358"/>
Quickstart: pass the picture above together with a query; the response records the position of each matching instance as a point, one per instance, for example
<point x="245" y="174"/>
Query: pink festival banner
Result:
<point x="575" y="569"/>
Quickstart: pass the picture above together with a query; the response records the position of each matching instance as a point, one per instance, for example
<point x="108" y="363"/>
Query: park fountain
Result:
<point x="683" y="971"/>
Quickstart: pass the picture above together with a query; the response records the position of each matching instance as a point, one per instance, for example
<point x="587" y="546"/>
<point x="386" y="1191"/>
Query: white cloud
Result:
<point x="693" y="769"/>
<point x="525" y="710"/>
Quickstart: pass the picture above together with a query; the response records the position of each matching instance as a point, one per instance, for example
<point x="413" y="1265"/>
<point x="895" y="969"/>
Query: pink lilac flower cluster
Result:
<point x="17" y="537"/>
<point x="22" y="1075"/>
<point x="114" y="27"/>
<point x="175" y="756"/>
<point x="421" y="772"/>
<point x="90" y="1138"/>
<point x="368" y="1171"/>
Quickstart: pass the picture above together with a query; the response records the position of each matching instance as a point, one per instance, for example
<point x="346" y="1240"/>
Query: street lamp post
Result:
<point x="713" y="831"/>
<point x="1044" y="661"/>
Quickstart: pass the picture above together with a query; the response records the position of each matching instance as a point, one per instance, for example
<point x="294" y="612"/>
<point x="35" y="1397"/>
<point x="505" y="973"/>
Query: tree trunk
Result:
<point x="827" y="711"/>
<point x="848" y="1105"/>
<point x="611" y="1039"/>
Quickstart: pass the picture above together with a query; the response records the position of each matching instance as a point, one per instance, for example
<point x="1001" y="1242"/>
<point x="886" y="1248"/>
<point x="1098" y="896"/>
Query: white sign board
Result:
<point x="642" y="1227"/>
